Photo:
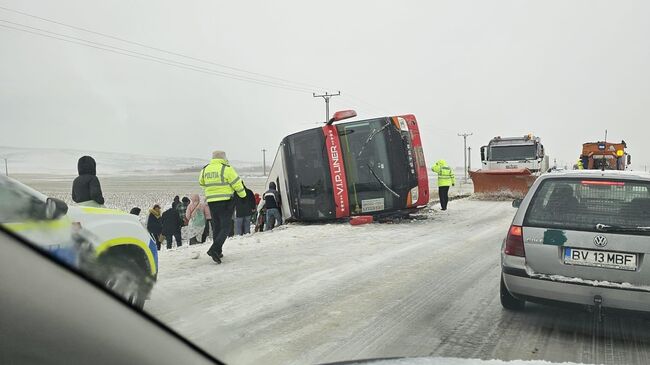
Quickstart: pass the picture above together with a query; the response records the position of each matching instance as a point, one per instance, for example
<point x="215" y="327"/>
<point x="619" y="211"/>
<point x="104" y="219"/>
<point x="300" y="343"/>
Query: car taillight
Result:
<point x="515" y="242"/>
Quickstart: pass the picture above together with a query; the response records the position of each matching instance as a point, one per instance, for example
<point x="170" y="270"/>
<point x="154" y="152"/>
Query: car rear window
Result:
<point x="581" y="204"/>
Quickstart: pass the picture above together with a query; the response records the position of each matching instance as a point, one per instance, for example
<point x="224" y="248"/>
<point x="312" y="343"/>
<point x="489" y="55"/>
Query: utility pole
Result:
<point x="326" y="97"/>
<point x="469" y="158"/>
<point x="264" y="160"/>
<point x="465" y="135"/>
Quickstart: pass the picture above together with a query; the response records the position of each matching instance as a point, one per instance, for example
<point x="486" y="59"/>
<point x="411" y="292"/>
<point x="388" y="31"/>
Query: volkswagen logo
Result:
<point x="600" y="241"/>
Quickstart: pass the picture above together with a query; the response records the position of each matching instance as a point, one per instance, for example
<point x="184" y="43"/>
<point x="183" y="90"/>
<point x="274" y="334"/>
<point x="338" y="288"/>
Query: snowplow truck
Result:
<point x="510" y="165"/>
<point x="605" y="156"/>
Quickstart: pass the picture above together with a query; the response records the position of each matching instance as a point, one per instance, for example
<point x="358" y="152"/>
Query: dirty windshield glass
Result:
<point x="299" y="182"/>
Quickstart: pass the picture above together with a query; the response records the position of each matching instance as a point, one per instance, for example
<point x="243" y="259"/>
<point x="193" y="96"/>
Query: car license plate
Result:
<point x="606" y="259"/>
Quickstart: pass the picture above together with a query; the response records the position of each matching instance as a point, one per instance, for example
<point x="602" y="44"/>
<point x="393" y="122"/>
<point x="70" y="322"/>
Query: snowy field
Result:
<point x="64" y="162"/>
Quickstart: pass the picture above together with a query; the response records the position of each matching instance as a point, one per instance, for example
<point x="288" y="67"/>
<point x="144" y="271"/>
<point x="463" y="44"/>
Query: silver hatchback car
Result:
<point x="580" y="237"/>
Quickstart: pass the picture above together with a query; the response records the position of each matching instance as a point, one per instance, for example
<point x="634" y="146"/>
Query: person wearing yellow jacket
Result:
<point x="446" y="179"/>
<point x="220" y="182"/>
<point x="579" y="165"/>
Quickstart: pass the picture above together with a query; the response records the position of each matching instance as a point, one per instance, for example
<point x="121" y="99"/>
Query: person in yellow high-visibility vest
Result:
<point x="446" y="179"/>
<point x="220" y="182"/>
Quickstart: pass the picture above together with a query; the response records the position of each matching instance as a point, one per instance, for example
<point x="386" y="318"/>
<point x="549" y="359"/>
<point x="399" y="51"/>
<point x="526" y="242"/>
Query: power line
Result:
<point x="292" y="85"/>
<point x="128" y="52"/>
<point x="147" y="57"/>
<point x="356" y="100"/>
<point x="157" y="48"/>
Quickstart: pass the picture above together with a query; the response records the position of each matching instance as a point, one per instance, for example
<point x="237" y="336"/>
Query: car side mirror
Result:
<point x="516" y="203"/>
<point x="55" y="208"/>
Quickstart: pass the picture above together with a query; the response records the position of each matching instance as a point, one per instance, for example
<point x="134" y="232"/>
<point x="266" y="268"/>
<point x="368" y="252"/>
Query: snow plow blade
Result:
<point x="504" y="183"/>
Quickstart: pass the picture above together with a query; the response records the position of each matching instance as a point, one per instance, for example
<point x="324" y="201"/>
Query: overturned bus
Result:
<point x="367" y="167"/>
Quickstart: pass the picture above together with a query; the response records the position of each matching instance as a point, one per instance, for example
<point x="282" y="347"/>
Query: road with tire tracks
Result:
<point x="314" y="294"/>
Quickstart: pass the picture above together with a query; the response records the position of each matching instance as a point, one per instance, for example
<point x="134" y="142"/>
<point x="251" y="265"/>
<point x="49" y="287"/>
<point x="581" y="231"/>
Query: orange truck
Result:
<point x="604" y="156"/>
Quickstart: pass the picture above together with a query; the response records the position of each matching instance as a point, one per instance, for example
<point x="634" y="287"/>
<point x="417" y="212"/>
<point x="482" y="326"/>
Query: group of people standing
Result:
<point x="190" y="213"/>
<point x="229" y="207"/>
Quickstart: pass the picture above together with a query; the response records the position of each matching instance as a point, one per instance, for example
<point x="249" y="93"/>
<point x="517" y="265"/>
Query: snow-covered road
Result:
<point x="312" y="294"/>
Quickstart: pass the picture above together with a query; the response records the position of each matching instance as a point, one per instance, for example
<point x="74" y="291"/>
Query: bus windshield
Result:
<point x="376" y="164"/>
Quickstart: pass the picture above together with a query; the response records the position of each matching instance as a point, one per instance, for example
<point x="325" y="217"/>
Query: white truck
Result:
<point x="510" y="164"/>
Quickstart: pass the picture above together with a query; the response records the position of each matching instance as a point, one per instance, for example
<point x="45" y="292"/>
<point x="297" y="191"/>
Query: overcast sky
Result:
<point x="563" y="70"/>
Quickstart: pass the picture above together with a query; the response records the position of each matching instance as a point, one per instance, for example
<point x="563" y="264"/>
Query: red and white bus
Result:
<point x="366" y="167"/>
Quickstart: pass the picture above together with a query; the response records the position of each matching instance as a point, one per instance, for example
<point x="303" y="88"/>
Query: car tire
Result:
<point x="126" y="278"/>
<point x="508" y="301"/>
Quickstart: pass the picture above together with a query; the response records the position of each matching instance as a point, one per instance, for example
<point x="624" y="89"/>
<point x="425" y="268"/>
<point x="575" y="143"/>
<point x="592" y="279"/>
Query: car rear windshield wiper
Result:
<point x="610" y="228"/>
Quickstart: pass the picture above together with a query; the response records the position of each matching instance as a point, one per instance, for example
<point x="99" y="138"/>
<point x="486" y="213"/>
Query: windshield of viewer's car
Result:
<point x="299" y="182"/>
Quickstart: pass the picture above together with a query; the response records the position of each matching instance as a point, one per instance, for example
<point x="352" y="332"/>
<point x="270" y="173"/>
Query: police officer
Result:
<point x="220" y="182"/>
<point x="446" y="179"/>
<point x="579" y="165"/>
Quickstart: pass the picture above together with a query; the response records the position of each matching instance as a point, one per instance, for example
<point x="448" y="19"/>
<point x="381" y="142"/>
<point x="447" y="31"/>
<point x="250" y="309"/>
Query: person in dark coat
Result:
<point x="154" y="226"/>
<point x="182" y="209"/>
<point x="171" y="225"/>
<point x="272" y="203"/>
<point x="244" y="209"/>
<point x="86" y="189"/>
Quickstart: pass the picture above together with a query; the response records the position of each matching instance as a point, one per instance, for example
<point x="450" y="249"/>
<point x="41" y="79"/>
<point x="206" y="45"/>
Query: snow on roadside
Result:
<point x="293" y="266"/>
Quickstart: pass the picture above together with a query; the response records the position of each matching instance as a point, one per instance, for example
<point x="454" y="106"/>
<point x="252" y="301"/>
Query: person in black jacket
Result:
<point x="86" y="189"/>
<point x="154" y="226"/>
<point x="171" y="226"/>
<point x="272" y="203"/>
<point x="244" y="207"/>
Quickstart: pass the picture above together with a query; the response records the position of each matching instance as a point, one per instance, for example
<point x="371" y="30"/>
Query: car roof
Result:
<point x="592" y="174"/>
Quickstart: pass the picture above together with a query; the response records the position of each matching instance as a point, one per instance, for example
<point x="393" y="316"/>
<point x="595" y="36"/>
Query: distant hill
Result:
<point x="64" y="162"/>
